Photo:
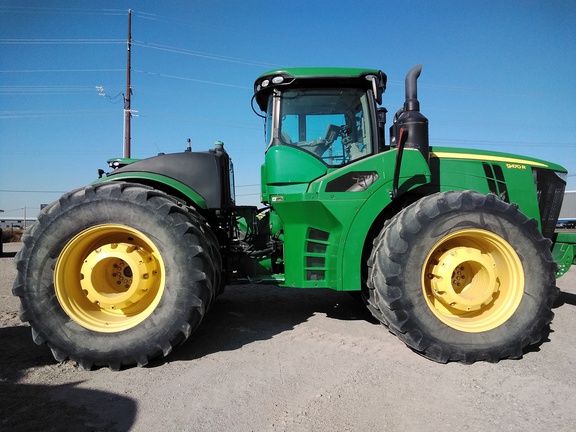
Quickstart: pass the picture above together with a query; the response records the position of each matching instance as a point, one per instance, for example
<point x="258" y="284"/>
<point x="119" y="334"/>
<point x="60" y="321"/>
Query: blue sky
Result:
<point x="497" y="75"/>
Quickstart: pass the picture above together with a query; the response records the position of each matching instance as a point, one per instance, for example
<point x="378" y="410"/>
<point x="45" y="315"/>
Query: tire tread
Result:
<point x="386" y="266"/>
<point x="194" y="232"/>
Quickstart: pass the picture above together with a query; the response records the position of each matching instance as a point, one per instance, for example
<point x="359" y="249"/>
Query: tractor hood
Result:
<point x="511" y="160"/>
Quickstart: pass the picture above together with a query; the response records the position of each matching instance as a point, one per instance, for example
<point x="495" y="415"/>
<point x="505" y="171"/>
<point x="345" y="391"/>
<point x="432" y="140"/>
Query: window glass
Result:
<point x="329" y="123"/>
<point x="268" y="121"/>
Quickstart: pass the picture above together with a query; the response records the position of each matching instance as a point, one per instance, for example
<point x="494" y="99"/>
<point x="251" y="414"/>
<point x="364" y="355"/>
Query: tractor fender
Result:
<point x="202" y="178"/>
<point x="163" y="183"/>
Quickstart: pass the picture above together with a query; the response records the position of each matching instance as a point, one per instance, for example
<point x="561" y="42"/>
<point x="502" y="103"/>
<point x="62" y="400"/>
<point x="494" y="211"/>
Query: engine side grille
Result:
<point x="550" y="189"/>
<point x="317" y="245"/>
<point x="496" y="182"/>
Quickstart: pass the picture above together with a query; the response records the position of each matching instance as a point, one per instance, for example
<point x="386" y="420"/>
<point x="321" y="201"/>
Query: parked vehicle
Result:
<point x="454" y="250"/>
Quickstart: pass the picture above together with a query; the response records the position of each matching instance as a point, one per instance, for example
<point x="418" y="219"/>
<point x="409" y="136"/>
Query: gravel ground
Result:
<point x="273" y="359"/>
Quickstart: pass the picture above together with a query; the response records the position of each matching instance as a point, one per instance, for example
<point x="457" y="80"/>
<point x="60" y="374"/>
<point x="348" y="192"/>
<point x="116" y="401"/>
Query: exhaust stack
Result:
<point x="411" y="103"/>
<point x="410" y="128"/>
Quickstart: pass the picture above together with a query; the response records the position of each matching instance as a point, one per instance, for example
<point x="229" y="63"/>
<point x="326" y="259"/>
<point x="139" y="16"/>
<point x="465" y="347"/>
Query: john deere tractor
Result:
<point x="454" y="250"/>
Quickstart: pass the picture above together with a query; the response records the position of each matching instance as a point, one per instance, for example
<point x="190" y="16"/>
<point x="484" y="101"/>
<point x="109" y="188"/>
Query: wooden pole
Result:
<point x="128" y="96"/>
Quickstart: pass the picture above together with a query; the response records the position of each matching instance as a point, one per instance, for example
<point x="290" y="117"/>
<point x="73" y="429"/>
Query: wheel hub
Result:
<point x="109" y="278"/>
<point x="464" y="279"/>
<point x="472" y="280"/>
<point x="117" y="275"/>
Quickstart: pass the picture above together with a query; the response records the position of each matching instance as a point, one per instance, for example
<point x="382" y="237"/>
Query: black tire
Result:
<point x="498" y="304"/>
<point x="116" y="274"/>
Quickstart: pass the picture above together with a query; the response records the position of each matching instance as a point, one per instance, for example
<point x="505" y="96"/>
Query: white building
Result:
<point x="15" y="222"/>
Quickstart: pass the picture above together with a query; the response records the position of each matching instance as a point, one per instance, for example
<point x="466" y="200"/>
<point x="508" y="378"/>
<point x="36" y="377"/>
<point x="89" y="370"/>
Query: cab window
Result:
<point x="331" y="124"/>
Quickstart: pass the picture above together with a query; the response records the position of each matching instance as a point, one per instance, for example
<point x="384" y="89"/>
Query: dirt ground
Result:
<point x="272" y="359"/>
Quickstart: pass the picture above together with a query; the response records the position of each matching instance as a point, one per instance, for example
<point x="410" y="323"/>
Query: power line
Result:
<point x="190" y="79"/>
<point x="60" y="10"/>
<point x="201" y="54"/>
<point x="59" y="41"/>
<point x="156" y="17"/>
<point x="137" y="43"/>
<point x="30" y="191"/>
<point x="60" y="70"/>
<point x="51" y="113"/>
<point x="12" y="210"/>
<point x="525" y="93"/>
<point x="44" y="89"/>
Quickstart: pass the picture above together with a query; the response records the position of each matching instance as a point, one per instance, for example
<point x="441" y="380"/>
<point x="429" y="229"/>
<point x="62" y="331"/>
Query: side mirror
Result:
<point x="381" y="119"/>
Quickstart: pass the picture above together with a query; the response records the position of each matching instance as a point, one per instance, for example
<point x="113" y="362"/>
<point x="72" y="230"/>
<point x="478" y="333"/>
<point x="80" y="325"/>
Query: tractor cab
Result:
<point x="318" y="120"/>
<point x="327" y="114"/>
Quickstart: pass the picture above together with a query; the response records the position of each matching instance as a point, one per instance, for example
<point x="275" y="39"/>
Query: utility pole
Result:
<point x="128" y="96"/>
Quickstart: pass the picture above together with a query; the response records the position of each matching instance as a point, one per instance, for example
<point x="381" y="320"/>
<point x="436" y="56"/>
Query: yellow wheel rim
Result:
<point x="473" y="280"/>
<point x="109" y="278"/>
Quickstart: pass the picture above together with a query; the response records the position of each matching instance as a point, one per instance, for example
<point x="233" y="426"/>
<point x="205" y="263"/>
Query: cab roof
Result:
<point x="317" y="77"/>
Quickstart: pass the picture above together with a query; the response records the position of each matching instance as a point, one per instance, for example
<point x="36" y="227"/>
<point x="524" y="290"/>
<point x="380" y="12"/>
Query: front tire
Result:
<point x="116" y="274"/>
<point x="461" y="276"/>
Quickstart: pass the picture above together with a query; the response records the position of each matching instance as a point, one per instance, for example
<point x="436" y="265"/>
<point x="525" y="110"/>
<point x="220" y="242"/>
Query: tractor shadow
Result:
<point x="59" y="406"/>
<point x="565" y="298"/>
<point x="249" y="313"/>
<point x="63" y="408"/>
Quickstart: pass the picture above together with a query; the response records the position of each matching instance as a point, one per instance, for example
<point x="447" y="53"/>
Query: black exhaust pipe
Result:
<point x="410" y="127"/>
<point x="411" y="103"/>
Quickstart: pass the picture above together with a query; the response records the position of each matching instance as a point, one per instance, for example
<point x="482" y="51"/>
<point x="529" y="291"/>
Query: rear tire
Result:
<point x="116" y="274"/>
<point x="461" y="276"/>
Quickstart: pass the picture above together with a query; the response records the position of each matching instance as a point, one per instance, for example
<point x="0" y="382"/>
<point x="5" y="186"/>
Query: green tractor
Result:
<point x="454" y="250"/>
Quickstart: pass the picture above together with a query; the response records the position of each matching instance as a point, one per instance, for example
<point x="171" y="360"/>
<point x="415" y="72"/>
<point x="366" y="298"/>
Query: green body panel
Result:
<point x="460" y="169"/>
<point x="564" y="252"/>
<point x="484" y="155"/>
<point x="325" y="227"/>
<point x="324" y="230"/>
<point x="362" y="208"/>
<point x="161" y="182"/>
<point x="263" y="190"/>
<point x="285" y="167"/>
